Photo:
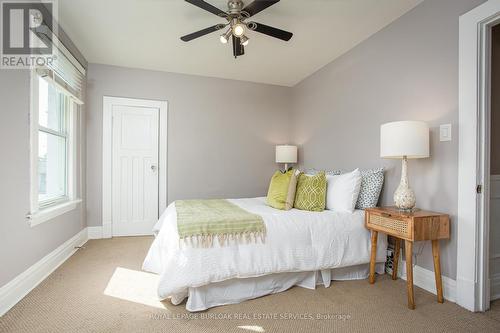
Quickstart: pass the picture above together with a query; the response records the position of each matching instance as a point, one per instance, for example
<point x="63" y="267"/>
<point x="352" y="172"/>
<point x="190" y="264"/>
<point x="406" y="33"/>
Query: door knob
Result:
<point x="153" y="168"/>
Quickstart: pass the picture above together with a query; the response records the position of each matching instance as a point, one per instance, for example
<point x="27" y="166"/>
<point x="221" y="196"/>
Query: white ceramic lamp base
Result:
<point x="404" y="197"/>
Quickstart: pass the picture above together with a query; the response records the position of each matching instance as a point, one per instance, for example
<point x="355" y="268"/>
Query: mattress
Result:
<point x="296" y="241"/>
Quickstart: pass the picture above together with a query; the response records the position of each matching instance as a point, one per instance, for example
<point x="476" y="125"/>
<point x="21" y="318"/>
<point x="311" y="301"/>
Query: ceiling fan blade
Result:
<point x="238" y="48"/>
<point x="202" y="32"/>
<point x="208" y="7"/>
<point x="271" y="31"/>
<point x="258" y="6"/>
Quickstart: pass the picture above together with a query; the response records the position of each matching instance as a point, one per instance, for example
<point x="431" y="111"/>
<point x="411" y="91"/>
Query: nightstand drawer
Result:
<point x="390" y="225"/>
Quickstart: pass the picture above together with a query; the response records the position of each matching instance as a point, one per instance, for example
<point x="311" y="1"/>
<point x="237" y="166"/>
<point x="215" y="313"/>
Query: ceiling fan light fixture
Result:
<point x="238" y="29"/>
<point x="224" y="38"/>
<point x="244" y="40"/>
<point x="237" y="21"/>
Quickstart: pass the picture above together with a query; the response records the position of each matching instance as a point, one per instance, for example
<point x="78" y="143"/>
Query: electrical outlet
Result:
<point x="445" y="132"/>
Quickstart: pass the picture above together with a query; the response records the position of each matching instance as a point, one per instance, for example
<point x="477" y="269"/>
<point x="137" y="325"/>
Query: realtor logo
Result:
<point x="27" y="33"/>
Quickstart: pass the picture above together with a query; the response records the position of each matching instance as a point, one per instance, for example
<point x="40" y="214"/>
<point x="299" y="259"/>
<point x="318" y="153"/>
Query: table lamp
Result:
<point x="404" y="140"/>
<point x="286" y="154"/>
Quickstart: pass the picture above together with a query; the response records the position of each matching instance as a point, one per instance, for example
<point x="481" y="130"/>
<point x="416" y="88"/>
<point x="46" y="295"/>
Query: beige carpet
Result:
<point x="102" y="289"/>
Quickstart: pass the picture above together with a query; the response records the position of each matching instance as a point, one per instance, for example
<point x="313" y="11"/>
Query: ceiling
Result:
<point x="145" y="34"/>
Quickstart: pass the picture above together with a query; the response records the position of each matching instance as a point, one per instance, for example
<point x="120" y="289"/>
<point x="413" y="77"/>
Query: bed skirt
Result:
<point x="238" y="290"/>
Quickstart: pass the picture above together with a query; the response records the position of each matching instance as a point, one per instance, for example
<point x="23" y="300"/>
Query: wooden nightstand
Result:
<point x="408" y="226"/>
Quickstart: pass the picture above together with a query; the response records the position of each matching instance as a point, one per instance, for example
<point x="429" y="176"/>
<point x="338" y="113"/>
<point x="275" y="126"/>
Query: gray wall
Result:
<point x="407" y="71"/>
<point x="221" y="133"/>
<point x="20" y="245"/>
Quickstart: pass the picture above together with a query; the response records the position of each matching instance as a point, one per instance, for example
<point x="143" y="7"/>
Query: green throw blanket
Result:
<point x="200" y="221"/>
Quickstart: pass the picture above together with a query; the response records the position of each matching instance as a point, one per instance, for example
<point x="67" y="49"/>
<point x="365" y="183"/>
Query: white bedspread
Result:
<point x="296" y="241"/>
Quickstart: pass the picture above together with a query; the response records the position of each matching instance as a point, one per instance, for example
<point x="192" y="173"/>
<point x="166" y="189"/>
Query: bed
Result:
<point x="301" y="248"/>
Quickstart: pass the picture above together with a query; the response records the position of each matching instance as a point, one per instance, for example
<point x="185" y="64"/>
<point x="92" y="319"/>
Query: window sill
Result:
<point x="49" y="213"/>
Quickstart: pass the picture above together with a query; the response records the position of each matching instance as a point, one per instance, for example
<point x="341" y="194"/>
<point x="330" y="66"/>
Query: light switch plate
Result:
<point x="445" y="132"/>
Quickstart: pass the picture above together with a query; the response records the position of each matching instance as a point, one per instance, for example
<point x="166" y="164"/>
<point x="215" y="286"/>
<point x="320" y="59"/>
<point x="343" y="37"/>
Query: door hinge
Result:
<point x="479" y="189"/>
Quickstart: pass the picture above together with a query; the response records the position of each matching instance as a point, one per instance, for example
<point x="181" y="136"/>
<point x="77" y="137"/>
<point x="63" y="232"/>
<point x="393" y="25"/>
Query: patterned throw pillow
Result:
<point x="328" y="172"/>
<point x="311" y="192"/>
<point x="371" y="186"/>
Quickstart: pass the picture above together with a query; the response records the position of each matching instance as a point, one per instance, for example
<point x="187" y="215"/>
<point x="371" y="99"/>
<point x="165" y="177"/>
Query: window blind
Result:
<point x="65" y="70"/>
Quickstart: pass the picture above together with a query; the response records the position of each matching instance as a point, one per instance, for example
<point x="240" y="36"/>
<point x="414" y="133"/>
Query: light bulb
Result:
<point x="238" y="30"/>
<point x="244" y="40"/>
<point x="224" y="38"/>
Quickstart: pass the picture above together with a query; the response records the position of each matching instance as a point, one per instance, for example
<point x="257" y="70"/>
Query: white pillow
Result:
<point x="342" y="191"/>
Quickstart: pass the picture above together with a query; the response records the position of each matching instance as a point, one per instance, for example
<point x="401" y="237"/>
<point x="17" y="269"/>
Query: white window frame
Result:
<point x="46" y="213"/>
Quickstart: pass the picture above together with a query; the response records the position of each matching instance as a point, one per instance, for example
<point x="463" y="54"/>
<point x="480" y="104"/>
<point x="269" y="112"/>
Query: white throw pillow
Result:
<point x="342" y="191"/>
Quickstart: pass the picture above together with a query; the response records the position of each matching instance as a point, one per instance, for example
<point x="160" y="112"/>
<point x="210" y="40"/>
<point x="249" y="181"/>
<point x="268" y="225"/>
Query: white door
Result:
<point x="135" y="169"/>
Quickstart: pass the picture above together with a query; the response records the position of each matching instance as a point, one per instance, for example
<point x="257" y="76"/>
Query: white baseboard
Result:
<point x="101" y="231"/>
<point x="466" y="294"/>
<point x="21" y="285"/>
<point x="107" y="230"/>
<point x="425" y="279"/>
<point x="94" y="232"/>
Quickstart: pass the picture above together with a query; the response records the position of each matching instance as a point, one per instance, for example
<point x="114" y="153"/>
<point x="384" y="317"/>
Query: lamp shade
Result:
<point x="404" y="138"/>
<point x="286" y="154"/>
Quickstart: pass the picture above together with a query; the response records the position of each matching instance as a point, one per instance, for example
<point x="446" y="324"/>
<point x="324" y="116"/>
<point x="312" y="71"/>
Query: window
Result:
<point x="54" y="118"/>
<point x="55" y="97"/>
<point x="53" y="141"/>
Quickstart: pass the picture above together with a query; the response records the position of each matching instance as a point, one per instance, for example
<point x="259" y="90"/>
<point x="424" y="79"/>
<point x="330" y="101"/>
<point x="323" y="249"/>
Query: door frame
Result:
<point x="473" y="157"/>
<point x="107" y="155"/>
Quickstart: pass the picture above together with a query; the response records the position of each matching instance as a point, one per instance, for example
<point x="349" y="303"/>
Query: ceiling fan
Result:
<point x="237" y="16"/>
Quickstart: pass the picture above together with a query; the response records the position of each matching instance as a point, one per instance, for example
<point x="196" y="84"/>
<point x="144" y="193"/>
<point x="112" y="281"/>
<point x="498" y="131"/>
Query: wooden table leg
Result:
<point x="409" y="274"/>
<point x="437" y="270"/>
<point x="397" y="246"/>
<point x="373" y="257"/>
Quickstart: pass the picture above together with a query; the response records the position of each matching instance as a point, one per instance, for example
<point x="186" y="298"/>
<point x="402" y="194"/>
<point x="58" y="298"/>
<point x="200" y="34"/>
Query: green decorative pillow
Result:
<point x="280" y="191"/>
<point x="311" y="192"/>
